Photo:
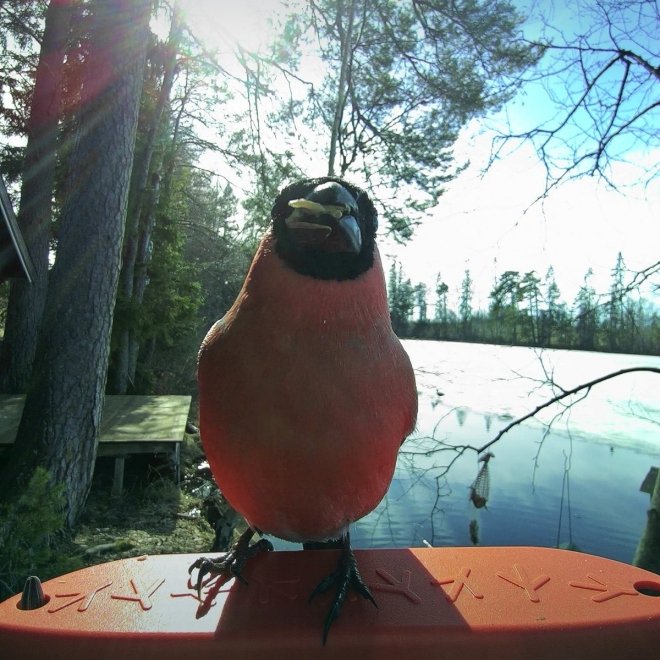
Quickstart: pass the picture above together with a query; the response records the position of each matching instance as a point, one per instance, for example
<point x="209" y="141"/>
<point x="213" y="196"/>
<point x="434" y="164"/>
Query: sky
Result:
<point x="488" y="223"/>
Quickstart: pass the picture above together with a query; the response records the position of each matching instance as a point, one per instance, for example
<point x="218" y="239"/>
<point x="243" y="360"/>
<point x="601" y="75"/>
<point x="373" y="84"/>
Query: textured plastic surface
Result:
<point x="481" y="603"/>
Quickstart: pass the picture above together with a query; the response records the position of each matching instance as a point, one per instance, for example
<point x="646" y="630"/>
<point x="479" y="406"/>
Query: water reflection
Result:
<point x="533" y="499"/>
<point x="562" y="486"/>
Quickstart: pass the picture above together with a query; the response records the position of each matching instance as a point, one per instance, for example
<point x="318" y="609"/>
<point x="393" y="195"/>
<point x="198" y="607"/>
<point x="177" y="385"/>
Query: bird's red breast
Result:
<point x="305" y="397"/>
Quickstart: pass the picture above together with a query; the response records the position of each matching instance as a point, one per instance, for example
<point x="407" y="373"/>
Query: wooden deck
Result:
<point x="131" y="424"/>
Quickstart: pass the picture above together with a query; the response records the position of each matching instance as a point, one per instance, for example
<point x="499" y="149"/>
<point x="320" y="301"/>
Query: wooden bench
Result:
<point x="130" y="424"/>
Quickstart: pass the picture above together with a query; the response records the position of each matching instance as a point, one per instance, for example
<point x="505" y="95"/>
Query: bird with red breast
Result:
<point x="305" y="392"/>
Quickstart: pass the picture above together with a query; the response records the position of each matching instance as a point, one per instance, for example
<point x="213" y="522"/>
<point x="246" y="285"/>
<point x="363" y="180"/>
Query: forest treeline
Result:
<point x="527" y="310"/>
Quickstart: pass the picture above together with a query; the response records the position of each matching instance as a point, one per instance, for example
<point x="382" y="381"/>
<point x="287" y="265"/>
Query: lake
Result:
<point x="575" y="483"/>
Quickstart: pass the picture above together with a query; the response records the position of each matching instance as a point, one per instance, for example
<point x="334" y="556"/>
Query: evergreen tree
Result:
<point x="551" y="312"/>
<point x="142" y="202"/>
<point x="402" y="79"/>
<point x="26" y="300"/>
<point x="401" y="298"/>
<point x="530" y="293"/>
<point x="585" y="315"/>
<point x="616" y="306"/>
<point x="60" y="426"/>
<point x="420" y="292"/>
<point x="441" y="290"/>
<point x="465" y="305"/>
<point x="505" y="296"/>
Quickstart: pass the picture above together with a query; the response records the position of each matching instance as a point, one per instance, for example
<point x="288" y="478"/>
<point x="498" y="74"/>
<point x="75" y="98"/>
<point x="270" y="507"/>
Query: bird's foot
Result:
<point x="344" y="577"/>
<point x="232" y="563"/>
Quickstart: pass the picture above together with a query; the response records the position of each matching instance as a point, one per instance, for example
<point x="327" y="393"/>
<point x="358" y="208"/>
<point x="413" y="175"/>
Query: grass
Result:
<point x="153" y="516"/>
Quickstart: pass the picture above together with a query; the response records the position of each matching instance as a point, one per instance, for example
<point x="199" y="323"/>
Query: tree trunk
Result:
<point x="647" y="554"/>
<point x="127" y="340"/>
<point x="346" y="46"/>
<point x="26" y="301"/>
<point x="60" y="425"/>
<point x="141" y="278"/>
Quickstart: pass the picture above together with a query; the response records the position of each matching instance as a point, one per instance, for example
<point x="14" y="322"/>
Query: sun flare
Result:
<point x="222" y="24"/>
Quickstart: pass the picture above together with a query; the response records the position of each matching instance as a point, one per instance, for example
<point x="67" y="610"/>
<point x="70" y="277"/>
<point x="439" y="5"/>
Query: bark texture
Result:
<point x="26" y="301"/>
<point x="140" y="222"/>
<point x="60" y="425"/>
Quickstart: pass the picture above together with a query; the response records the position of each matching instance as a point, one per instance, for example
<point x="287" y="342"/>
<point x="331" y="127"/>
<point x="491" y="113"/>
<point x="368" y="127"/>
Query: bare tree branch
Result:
<point x="603" y="82"/>
<point x="586" y="387"/>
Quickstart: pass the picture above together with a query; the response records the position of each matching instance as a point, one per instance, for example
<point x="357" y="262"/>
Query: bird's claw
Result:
<point x="345" y="576"/>
<point x="231" y="564"/>
<point x="226" y="567"/>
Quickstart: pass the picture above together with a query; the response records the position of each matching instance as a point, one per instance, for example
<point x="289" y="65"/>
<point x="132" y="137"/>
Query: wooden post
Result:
<point x="118" y="481"/>
<point x="647" y="554"/>
<point x="176" y="458"/>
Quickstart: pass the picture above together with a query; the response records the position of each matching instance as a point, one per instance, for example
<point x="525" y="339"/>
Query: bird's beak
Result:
<point x="352" y="235"/>
<point x="328" y="227"/>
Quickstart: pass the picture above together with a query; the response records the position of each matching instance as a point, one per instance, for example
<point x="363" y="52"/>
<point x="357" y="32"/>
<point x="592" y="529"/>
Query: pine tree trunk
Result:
<point x="60" y="426"/>
<point x="26" y="301"/>
<point x="346" y="45"/>
<point x="142" y="270"/>
<point x="139" y="208"/>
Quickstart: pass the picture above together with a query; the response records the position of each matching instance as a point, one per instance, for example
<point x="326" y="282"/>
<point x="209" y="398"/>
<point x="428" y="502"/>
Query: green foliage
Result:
<point x="197" y="267"/>
<point x="465" y="304"/>
<point x="27" y="531"/>
<point x="11" y="163"/>
<point x="403" y="79"/>
<point x="4" y="298"/>
<point x="401" y="298"/>
<point x="441" y="290"/>
<point x="273" y="171"/>
<point x="420" y="292"/>
<point x="586" y="314"/>
<point x="616" y="306"/>
<point x="20" y="31"/>
<point x="173" y="296"/>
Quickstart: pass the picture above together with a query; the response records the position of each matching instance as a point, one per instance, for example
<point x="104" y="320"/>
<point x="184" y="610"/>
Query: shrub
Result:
<point x="28" y="528"/>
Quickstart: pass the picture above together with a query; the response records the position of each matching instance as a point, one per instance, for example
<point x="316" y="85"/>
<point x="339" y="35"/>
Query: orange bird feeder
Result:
<point x="513" y="603"/>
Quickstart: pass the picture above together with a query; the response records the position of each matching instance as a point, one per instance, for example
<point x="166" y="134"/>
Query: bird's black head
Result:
<point x="325" y="228"/>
